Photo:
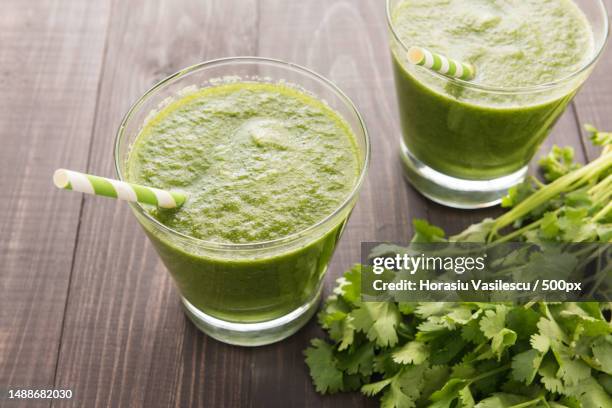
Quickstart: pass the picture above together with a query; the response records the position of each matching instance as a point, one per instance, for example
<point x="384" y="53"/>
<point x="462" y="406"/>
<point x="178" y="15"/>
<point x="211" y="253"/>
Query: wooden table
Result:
<point x="85" y="303"/>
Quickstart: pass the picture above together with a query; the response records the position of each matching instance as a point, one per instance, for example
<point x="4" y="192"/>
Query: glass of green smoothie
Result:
<point x="271" y="156"/>
<point x="464" y="143"/>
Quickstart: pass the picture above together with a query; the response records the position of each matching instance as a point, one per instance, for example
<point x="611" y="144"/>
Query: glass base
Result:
<point x="252" y="334"/>
<point x="456" y="192"/>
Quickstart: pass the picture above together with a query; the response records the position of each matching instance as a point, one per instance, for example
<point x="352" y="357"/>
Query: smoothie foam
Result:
<point x="258" y="161"/>
<point x="513" y="43"/>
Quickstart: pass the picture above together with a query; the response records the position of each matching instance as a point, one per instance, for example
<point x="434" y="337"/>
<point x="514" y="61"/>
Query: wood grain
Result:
<point x="50" y="62"/>
<point x="126" y="341"/>
<point x="594" y="102"/>
<point x="346" y="41"/>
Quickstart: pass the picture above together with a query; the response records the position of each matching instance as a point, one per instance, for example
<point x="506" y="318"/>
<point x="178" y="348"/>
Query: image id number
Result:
<point x="38" y="394"/>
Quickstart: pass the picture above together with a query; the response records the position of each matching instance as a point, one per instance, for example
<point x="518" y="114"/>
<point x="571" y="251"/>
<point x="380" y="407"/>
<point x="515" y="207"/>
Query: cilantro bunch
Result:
<point x="484" y="355"/>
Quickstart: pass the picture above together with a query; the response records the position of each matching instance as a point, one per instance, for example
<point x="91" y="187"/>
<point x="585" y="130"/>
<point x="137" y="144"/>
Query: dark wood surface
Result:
<point x="85" y="303"/>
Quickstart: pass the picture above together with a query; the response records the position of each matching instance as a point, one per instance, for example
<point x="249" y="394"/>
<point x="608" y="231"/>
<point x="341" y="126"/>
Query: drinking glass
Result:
<point x="255" y="293"/>
<point x="464" y="144"/>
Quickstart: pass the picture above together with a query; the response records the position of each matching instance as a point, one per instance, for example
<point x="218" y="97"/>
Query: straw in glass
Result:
<point x="86" y="183"/>
<point x="441" y="64"/>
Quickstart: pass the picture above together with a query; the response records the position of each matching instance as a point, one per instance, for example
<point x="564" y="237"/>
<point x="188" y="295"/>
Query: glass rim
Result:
<point x="250" y="245"/>
<point x="524" y="89"/>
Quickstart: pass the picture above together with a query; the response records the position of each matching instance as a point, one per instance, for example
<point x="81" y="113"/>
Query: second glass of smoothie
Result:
<point x="271" y="156"/>
<point x="464" y="143"/>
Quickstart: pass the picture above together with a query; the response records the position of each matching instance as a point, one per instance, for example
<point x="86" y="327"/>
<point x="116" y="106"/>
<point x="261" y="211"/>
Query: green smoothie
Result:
<point x="477" y="133"/>
<point x="259" y="162"/>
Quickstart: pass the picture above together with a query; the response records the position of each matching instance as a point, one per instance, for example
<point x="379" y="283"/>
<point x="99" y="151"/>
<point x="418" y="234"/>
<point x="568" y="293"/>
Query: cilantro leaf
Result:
<point x="322" y="364"/>
<point x="472" y="333"/>
<point x="359" y="361"/>
<point x="379" y="321"/>
<point x="394" y="397"/>
<point x="482" y="355"/>
<point x="550" y="329"/>
<point x="413" y="352"/>
<point x="571" y="369"/>
<point x="401" y="390"/>
<point x="517" y="194"/>
<point x="502" y="400"/>
<point x="407" y="308"/>
<point x="466" y="398"/>
<point x="598" y="138"/>
<point x="559" y="162"/>
<point x="525" y="365"/>
<point x="376" y="387"/>
<point x="523" y="321"/>
<point x="602" y="351"/>
<point x="540" y="342"/>
<point x="447" y="348"/>
<point x="548" y="371"/>
<point x="425" y="232"/>
<point x="349" y="285"/>
<point x="493" y="326"/>
<point x="444" y="397"/>
<point x="475" y="232"/>
<point x="590" y="394"/>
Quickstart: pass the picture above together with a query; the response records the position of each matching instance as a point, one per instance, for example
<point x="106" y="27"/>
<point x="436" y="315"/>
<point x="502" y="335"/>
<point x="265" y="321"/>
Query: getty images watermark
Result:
<point x="479" y="272"/>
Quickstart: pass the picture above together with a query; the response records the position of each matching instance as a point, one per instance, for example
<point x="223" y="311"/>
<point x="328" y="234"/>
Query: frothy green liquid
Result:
<point x="478" y="134"/>
<point x="259" y="162"/>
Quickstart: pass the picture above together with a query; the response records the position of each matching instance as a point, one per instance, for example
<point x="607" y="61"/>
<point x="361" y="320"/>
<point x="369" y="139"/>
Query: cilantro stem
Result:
<point x="602" y="185"/>
<point x="600" y="278"/>
<point x="518" y="232"/>
<point x="530" y="403"/>
<point x="538" y="182"/>
<point x="573" y="179"/>
<point x="490" y="373"/>
<point x="601" y="214"/>
<point x="529" y="305"/>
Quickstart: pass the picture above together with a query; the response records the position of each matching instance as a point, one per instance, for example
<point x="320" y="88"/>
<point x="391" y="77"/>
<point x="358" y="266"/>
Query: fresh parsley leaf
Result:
<point x="413" y="352"/>
<point x="525" y="365"/>
<point x="359" y="361"/>
<point x="323" y="370"/>
<point x="602" y="351"/>
<point x="518" y="194"/>
<point x="502" y="400"/>
<point x="598" y="138"/>
<point x="590" y="394"/>
<point x="425" y="232"/>
<point x="482" y="355"/>
<point x="379" y="321"/>
<point x="571" y="369"/>
<point x="349" y="285"/>
<point x="548" y="372"/>
<point x="444" y="397"/>
<point x="559" y="162"/>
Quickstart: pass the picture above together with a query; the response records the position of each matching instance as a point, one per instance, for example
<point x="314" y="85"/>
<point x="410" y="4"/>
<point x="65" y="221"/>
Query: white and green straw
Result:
<point x="86" y="183"/>
<point x="441" y="64"/>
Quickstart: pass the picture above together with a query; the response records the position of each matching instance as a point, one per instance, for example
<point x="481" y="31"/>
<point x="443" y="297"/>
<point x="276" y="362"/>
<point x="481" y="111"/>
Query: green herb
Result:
<point x="484" y="355"/>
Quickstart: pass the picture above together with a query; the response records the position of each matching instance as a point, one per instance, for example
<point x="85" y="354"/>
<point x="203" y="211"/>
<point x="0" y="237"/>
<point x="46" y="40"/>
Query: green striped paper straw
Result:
<point x="441" y="64"/>
<point x="86" y="183"/>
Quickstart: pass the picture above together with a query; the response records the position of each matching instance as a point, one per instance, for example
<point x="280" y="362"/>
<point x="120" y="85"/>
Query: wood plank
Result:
<point x="346" y="41"/>
<point x="594" y="102"/>
<point x="51" y="61"/>
<point x="126" y="341"/>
